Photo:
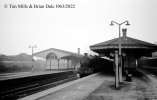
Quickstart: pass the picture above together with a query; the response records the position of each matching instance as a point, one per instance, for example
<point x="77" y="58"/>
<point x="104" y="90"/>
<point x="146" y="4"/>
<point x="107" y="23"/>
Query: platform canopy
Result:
<point x="129" y="45"/>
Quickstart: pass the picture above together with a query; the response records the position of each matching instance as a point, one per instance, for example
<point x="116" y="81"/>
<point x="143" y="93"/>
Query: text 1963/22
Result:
<point x="65" y="5"/>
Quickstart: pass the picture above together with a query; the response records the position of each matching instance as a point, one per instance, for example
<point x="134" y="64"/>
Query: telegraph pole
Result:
<point x="32" y="47"/>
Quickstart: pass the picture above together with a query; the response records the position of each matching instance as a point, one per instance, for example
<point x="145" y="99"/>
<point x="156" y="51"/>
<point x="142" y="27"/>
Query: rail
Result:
<point x="37" y="85"/>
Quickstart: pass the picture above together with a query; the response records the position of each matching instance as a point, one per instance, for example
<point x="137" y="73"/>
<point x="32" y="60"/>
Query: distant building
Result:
<point x="59" y="59"/>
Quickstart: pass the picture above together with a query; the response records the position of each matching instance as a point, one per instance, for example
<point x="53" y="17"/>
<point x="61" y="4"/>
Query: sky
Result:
<point x="86" y="24"/>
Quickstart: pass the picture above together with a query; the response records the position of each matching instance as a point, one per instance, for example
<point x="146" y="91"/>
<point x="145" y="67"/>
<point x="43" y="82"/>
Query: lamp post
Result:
<point x="32" y="47"/>
<point x="120" y="48"/>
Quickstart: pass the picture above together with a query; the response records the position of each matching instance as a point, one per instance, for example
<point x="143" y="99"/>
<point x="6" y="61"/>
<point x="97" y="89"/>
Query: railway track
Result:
<point x="34" y="87"/>
<point x="149" y="70"/>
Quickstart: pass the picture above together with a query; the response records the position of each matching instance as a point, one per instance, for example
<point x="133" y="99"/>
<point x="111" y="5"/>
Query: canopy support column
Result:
<point x="116" y="71"/>
<point x="58" y="63"/>
<point x="120" y="68"/>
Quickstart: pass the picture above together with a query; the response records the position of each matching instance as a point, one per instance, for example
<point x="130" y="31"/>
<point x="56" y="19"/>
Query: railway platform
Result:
<point x="100" y="87"/>
<point x="75" y="90"/>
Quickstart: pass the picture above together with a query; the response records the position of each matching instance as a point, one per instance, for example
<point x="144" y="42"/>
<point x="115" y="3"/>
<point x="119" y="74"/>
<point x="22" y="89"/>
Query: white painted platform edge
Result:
<point x="48" y="91"/>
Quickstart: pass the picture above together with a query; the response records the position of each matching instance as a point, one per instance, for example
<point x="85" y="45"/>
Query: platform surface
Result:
<point x="100" y="87"/>
<point x="75" y="90"/>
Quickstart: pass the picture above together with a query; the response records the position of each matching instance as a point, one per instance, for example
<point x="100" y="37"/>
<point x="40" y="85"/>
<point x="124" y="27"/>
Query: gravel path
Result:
<point x="146" y="89"/>
<point x="107" y="91"/>
<point x="142" y="88"/>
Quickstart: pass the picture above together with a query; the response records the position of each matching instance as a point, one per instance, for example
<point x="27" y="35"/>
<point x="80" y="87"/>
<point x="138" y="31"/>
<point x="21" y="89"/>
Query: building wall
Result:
<point x="129" y="61"/>
<point x="154" y="54"/>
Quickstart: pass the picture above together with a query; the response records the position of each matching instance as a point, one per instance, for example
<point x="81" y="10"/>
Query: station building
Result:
<point x="132" y="49"/>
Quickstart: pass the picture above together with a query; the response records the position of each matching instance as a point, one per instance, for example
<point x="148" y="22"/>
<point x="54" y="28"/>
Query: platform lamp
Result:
<point x="32" y="47"/>
<point x="120" y="49"/>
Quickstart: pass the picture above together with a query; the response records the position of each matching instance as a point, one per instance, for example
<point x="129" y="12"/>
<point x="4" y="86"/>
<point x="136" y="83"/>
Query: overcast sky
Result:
<point x="72" y="28"/>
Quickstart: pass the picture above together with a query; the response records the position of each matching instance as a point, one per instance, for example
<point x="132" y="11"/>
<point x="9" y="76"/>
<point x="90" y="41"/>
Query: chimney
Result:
<point x="78" y="50"/>
<point x="124" y="30"/>
<point x="85" y="54"/>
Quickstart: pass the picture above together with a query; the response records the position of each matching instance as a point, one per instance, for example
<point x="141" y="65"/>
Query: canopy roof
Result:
<point x="72" y="57"/>
<point x="128" y="44"/>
